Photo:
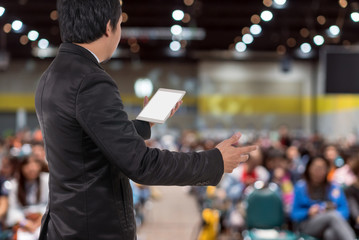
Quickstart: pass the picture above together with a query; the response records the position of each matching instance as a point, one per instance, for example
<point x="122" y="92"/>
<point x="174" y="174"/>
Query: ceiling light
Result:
<point x="343" y="3"/>
<point x="266" y="15"/>
<point x="280" y="2"/>
<point x="355" y="16"/>
<point x="33" y="35"/>
<point x="306" y="48"/>
<point x="255" y="19"/>
<point x="318" y="40"/>
<point x="291" y="42"/>
<point x="54" y="15"/>
<point x="241" y="47"/>
<point x="24" y="39"/>
<point x="16" y="25"/>
<point x="175" y="46"/>
<point x="176" y="29"/>
<point x="321" y="20"/>
<point x="2" y="11"/>
<point x="43" y="43"/>
<point x="255" y="29"/>
<point x="247" y="38"/>
<point x="143" y="87"/>
<point x="188" y="2"/>
<point x="178" y="15"/>
<point x="267" y="3"/>
<point x="334" y="30"/>
<point x="186" y="18"/>
<point x="124" y="17"/>
<point x="7" y="28"/>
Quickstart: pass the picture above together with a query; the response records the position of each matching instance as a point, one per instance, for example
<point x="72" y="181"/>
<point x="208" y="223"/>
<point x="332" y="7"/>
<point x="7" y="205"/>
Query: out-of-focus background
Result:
<point x="283" y="72"/>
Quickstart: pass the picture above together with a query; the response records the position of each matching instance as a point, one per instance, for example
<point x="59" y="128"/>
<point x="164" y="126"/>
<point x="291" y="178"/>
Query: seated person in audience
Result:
<point x="352" y="193"/>
<point x="28" y="199"/>
<point x="283" y="178"/>
<point x="319" y="206"/>
<point x="297" y="163"/>
<point x="345" y="176"/>
<point x="8" y="167"/>
<point x="252" y="170"/>
<point x="331" y="153"/>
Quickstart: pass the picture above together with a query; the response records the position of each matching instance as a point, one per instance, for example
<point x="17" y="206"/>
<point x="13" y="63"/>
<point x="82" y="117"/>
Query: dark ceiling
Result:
<point x="222" y="21"/>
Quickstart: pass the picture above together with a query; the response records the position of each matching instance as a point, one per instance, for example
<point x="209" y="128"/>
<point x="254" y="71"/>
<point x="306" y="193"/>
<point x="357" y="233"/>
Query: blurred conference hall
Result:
<point x="284" y="73"/>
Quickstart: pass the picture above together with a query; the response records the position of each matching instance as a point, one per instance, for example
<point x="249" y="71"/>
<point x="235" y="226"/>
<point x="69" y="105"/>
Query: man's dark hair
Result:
<point x="85" y="21"/>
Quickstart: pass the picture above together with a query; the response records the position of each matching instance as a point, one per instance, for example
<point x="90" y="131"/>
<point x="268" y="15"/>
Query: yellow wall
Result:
<point x="224" y="104"/>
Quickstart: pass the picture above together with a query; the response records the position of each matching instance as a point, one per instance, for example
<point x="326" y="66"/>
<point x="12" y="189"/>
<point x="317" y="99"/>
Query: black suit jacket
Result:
<point x="92" y="149"/>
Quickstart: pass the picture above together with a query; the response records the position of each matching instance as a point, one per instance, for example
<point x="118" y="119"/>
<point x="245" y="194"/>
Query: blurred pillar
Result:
<point x="21" y="119"/>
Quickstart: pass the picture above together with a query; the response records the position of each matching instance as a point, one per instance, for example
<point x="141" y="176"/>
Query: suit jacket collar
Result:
<point x="76" y="49"/>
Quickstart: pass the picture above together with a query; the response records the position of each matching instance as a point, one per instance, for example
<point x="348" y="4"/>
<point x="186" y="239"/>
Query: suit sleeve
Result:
<point x="143" y="129"/>
<point x="99" y="110"/>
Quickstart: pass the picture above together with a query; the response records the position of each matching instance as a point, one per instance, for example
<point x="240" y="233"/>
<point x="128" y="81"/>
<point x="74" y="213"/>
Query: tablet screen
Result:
<point x="159" y="107"/>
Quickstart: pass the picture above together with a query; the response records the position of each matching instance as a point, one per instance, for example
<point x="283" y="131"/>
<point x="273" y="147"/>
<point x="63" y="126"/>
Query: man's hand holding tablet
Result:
<point x="162" y="106"/>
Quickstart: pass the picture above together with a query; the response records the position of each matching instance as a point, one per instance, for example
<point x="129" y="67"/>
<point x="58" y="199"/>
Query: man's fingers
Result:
<point x="174" y="110"/>
<point x="247" y="149"/>
<point x="178" y="105"/>
<point x="145" y="101"/>
<point x="235" y="138"/>
<point x="243" y="158"/>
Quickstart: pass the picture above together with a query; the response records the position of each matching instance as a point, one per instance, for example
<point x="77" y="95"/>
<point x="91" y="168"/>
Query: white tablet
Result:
<point x="159" y="107"/>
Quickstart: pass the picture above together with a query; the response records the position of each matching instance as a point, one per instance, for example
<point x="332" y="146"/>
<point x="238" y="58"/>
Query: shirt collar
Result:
<point x="98" y="60"/>
<point x="77" y="49"/>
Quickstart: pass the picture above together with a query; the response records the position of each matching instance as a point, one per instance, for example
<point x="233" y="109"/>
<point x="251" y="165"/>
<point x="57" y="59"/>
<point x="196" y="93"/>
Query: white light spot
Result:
<point x="178" y="15"/>
<point x="175" y="46"/>
<point x="241" y="47"/>
<point x="334" y="30"/>
<point x="255" y="29"/>
<point x="143" y="87"/>
<point x="247" y="38"/>
<point x="2" y="11"/>
<point x="354" y="16"/>
<point x="267" y="15"/>
<point x="176" y="29"/>
<point x="306" y="48"/>
<point x="280" y="2"/>
<point x="43" y="43"/>
<point x="16" y="25"/>
<point x="33" y="35"/>
<point x="318" y="40"/>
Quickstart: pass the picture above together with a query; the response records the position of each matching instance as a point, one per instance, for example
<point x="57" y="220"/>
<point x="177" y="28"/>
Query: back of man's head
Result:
<point x="85" y="21"/>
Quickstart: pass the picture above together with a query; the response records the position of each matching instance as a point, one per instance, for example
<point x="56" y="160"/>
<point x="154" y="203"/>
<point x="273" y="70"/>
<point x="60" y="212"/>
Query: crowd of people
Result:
<point x="317" y="180"/>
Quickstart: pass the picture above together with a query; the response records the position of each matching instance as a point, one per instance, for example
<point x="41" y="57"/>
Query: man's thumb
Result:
<point x="234" y="139"/>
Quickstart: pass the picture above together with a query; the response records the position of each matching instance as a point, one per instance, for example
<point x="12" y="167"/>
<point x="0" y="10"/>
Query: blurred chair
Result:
<point x="265" y="217"/>
<point x="210" y="218"/>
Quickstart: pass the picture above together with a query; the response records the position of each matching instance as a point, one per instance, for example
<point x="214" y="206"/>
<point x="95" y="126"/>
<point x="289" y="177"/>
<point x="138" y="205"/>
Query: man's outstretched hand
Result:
<point x="173" y="111"/>
<point x="233" y="156"/>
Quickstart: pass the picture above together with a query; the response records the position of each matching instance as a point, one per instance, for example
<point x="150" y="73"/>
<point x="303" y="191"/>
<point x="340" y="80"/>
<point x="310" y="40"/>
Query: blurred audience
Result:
<point x="311" y="191"/>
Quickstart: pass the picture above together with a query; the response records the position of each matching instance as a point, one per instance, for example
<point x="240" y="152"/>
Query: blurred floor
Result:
<point x="174" y="216"/>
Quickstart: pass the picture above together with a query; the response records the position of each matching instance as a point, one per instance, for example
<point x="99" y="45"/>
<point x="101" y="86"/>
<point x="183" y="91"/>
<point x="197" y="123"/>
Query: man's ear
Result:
<point x="108" y="28"/>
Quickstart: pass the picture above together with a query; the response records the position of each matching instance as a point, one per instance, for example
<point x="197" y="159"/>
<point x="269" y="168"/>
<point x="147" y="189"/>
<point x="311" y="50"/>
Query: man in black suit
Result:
<point x="91" y="146"/>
